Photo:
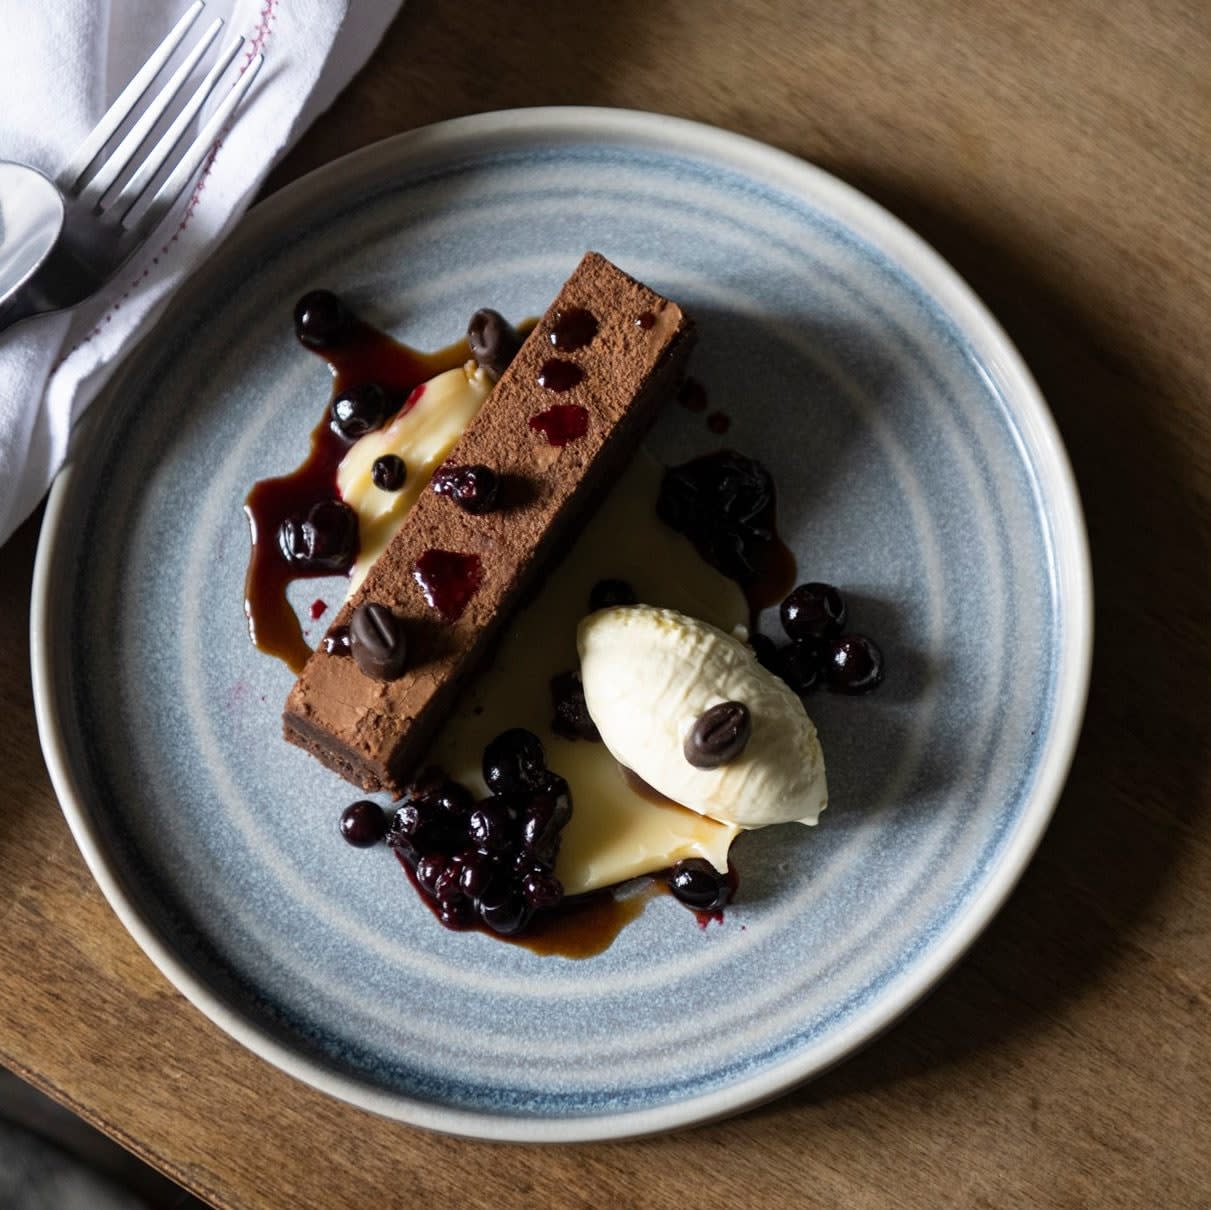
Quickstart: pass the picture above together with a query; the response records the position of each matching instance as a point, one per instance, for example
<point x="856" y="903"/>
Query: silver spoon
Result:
<point x="31" y="218"/>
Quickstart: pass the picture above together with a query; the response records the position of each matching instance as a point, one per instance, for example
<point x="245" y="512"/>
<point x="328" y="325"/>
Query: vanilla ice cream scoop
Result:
<point x="651" y="674"/>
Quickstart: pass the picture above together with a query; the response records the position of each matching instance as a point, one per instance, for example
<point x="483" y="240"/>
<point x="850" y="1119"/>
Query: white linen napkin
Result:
<point x="62" y="62"/>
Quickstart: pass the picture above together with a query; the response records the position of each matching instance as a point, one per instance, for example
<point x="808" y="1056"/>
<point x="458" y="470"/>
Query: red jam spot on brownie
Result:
<point x="558" y="375"/>
<point x="573" y="329"/>
<point x="562" y="423"/>
<point x="448" y="580"/>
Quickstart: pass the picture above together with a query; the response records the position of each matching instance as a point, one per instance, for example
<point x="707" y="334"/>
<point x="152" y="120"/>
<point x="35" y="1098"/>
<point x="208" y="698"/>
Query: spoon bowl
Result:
<point x="31" y="219"/>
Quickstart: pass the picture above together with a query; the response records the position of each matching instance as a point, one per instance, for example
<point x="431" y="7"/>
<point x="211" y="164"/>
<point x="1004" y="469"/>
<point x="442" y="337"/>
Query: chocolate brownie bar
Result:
<point x="560" y="423"/>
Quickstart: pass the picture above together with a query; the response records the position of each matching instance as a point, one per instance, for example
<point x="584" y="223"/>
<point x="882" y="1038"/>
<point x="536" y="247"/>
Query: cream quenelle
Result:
<point x="651" y="674"/>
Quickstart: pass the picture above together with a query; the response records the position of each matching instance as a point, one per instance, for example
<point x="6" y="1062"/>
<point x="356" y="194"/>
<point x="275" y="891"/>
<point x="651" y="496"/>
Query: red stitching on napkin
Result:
<point x="256" y="42"/>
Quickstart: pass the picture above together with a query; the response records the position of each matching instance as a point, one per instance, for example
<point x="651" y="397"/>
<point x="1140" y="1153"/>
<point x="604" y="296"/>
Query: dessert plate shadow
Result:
<point x="917" y="467"/>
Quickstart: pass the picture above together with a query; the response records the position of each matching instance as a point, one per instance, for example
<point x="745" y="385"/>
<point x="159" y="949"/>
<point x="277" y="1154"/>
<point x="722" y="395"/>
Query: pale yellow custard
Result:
<point x="422" y="435"/>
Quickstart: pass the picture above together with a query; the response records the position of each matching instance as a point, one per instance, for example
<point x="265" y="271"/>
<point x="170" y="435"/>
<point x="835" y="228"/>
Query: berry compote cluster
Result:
<point x="492" y="861"/>
<point x="820" y="653"/>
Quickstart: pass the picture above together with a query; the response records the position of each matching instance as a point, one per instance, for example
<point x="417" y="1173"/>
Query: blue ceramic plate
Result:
<point x="918" y="467"/>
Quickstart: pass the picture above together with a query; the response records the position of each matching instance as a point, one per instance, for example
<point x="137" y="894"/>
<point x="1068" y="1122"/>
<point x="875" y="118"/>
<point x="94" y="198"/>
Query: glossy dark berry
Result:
<point x="541" y="890"/>
<point x="813" y="611"/>
<point x="852" y="664"/>
<point x="429" y="869"/>
<point x="456" y="913"/>
<point x="526" y="863"/>
<point x="359" y="410"/>
<point x="475" y="871"/>
<point x="508" y="916"/>
<point x="325" y="540"/>
<point x="442" y="833"/>
<point x="540" y="827"/>
<point x="608" y="593"/>
<point x="765" y="649"/>
<point x="799" y="665"/>
<point x="363" y="823"/>
<point x="491" y="826"/>
<point x="389" y="473"/>
<point x="408" y="821"/>
<point x="571" y="718"/>
<point x="452" y="797"/>
<point x="724" y="504"/>
<point x="446" y="885"/>
<point x="699" y="885"/>
<point x="321" y="320"/>
<point x="475" y="489"/>
<point x="515" y="761"/>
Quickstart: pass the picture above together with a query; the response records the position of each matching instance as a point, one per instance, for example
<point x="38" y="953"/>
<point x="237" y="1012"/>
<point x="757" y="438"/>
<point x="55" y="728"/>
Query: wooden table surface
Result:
<point x="1057" y="152"/>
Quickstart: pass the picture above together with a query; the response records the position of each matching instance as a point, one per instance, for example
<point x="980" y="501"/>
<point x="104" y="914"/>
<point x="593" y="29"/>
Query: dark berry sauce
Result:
<point x="573" y="329"/>
<point x="725" y="504"/>
<point x="585" y="926"/>
<point x="357" y="353"/>
<point x="562" y="424"/>
<point x="558" y="375"/>
<point x="580" y="928"/>
<point x="449" y="580"/>
<point x="646" y="321"/>
<point x="318" y="608"/>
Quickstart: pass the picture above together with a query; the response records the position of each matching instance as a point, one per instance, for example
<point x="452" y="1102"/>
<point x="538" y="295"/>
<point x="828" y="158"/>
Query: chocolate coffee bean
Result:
<point x="493" y="339"/>
<point x="376" y="637"/>
<point x="719" y="735"/>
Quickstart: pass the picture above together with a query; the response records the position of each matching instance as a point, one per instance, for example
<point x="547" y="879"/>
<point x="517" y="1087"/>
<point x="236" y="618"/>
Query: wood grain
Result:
<point x="1057" y="154"/>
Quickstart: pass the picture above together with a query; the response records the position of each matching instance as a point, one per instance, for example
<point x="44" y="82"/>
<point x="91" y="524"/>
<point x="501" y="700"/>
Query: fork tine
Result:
<point x="193" y="158"/>
<point x="119" y="111"/>
<point x="122" y="155"/>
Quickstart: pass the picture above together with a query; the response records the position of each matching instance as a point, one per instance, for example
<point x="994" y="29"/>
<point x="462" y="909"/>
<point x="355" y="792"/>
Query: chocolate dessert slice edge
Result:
<point x="554" y="451"/>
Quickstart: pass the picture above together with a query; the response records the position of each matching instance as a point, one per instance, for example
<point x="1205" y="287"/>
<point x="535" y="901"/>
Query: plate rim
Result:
<point x="1062" y="513"/>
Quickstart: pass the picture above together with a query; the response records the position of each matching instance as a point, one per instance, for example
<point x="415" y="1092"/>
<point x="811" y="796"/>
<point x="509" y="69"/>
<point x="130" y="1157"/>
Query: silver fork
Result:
<point x="100" y="234"/>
